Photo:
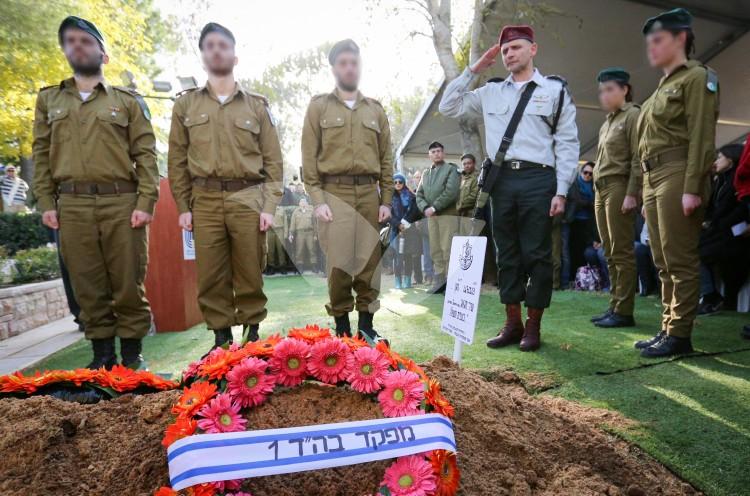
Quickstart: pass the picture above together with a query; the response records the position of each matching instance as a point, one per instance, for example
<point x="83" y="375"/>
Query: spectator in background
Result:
<point x="436" y="197"/>
<point x="742" y="186"/>
<point x="414" y="180"/>
<point x="468" y="192"/>
<point x="594" y="256"/>
<point x="14" y="190"/>
<point x="302" y="234"/>
<point x="647" y="276"/>
<point x="406" y="240"/>
<point x="579" y="216"/>
<point x="724" y="250"/>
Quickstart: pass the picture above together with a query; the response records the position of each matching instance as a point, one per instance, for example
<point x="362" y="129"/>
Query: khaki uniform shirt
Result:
<point x="618" y="148"/>
<point x="682" y="113"/>
<point x="302" y="220"/>
<point x="236" y="139"/>
<point x="106" y="139"/>
<point x="467" y="197"/>
<point x="337" y="140"/>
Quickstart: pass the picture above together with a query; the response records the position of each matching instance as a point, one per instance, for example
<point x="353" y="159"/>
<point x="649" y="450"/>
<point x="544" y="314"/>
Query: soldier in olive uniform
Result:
<point x="277" y="259"/>
<point x="96" y="180"/>
<point x="437" y="194"/>
<point x="469" y="190"/>
<point x="302" y="235"/>
<point x="676" y="129"/>
<point x="617" y="177"/>
<point x="225" y="169"/>
<point x="348" y="172"/>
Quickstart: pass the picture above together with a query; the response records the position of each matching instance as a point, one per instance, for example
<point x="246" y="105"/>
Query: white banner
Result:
<point x="188" y="245"/>
<point x="464" y="285"/>
<point x="237" y="455"/>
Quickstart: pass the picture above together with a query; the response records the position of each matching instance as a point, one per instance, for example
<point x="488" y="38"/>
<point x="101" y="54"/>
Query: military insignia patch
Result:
<point x="271" y="116"/>
<point x="144" y="107"/>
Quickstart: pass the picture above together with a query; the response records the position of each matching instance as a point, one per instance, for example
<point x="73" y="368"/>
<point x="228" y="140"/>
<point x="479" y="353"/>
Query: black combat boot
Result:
<point x="646" y="343"/>
<point x="601" y="316"/>
<point x="616" y="320"/>
<point x="223" y="336"/>
<point x="667" y="347"/>
<point x="366" y="329"/>
<point x="250" y="333"/>
<point x="104" y="354"/>
<point x="343" y="326"/>
<point x="130" y="351"/>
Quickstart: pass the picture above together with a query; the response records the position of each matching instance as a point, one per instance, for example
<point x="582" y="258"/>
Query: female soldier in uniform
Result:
<point x="617" y="178"/>
<point x="676" y="130"/>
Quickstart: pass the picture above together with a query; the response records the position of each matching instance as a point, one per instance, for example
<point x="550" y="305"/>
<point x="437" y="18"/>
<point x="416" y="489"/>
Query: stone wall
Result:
<point x="25" y="307"/>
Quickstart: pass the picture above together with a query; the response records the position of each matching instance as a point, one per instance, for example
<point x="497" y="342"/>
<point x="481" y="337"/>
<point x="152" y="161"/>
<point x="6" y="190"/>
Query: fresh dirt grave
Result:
<point x="510" y="443"/>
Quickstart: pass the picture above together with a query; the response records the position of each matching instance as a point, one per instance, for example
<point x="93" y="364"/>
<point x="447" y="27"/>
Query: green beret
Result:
<point x="613" y="74"/>
<point x="341" y="47"/>
<point x="676" y="19"/>
<point x="82" y="24"/>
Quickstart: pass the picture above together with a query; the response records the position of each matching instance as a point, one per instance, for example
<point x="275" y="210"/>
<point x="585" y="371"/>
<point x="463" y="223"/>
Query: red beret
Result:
<point x="510" y="33"/>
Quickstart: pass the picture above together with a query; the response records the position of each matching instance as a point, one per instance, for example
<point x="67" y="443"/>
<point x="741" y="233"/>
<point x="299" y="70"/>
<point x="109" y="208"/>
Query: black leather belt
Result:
<point x="673" y="155"/>
<point x="90" y="188"/>
<point x="349" y="180"/>
<point x="522" y="164"/>
<point x="223" y="184"/>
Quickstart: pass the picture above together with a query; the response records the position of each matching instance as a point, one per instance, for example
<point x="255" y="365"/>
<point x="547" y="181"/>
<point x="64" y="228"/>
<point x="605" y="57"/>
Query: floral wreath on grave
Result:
<point x="83" y="385"/>
<point x="227" y="382"/>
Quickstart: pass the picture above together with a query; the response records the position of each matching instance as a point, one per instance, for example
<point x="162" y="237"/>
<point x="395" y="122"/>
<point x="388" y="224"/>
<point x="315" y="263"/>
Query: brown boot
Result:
<point x="512" y="330"/>
<point x="532" y="333"/>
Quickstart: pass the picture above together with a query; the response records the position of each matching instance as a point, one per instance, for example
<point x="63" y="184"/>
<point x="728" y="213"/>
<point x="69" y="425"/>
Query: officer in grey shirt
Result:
<point x="534" y="177"/>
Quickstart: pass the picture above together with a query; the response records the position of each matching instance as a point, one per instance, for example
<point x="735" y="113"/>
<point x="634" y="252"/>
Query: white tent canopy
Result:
<point x="593" y="34"/>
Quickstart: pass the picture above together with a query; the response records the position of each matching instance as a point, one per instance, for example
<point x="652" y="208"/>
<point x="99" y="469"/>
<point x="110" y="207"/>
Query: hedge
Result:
<point x="22" y="232"/>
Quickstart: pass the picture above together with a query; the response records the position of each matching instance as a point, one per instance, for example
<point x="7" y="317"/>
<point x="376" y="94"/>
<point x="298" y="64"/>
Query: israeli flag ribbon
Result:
<point x="237" y="455"/>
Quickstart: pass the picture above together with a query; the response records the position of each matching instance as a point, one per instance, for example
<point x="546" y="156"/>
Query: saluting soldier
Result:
<point x="467" y="197"/>
<point x="347" y="168"/>
<point x="302" y="235"/>
<point x="225" y="170"/>
<point x="96" y="180"/>
<point x="677" y="131"/>
<point x="534" y="176"/>
<point x="618" y="178"/>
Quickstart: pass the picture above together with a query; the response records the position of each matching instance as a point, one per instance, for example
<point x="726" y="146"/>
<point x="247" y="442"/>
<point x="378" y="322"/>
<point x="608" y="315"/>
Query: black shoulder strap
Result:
<point x="515" y="119"/>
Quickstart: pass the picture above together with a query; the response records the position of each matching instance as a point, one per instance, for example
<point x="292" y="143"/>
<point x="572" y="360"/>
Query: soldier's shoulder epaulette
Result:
<point x="319" y="96"/>
<point x="712" y="79"/>
<point x="374" y="101"/>
<point x="51" y="86"/>
<point x="127" y="90"/>
<point x="453" y="165"/>
<point x="138" y="98"/>
<point x="260" y="97"/>
<point x="557" y="78"/>
<point x="186" y="91"/>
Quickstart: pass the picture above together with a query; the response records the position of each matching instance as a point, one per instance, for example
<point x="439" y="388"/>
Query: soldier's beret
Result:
<point x="214" y="27"/>
<point x="82" y="24"/>
<point x="613" y="74"/>
<point x="341" y="47"/>
<point x="676" y="19"/>
<point x="522" y="32"/>
<point x="435" y="144"/>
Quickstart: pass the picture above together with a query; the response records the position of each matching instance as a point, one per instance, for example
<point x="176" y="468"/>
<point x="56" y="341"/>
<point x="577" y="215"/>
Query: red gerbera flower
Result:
<point x="182" y="427"/>
<point x="219" y="362"/>
<point x="120" y="378"/>
<point x="289" y="361"/>
<point x="437" y="400"/>
<point x="311" y="333"/>
<point x="448" y="476"/>
<point x="166" y="491"/>
<point x="354" y="343"/>
<point x="193" y="398"/>
<point x="263" y="347"/>
<point x="330" y="361"/>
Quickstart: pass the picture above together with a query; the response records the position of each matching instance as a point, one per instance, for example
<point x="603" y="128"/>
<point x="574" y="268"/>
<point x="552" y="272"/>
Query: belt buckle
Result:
<point x="92" y="189"/>
<point x="515" y="164"/>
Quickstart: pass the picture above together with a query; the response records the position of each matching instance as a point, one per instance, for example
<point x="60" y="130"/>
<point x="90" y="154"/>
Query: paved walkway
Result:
<point x="30" y="347"/>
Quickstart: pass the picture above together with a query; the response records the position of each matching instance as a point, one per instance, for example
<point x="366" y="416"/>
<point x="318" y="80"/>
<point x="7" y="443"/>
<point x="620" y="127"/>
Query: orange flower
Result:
<point x="166" y="491"/>
<point x="206" y="489"/>
<point x="219" y="362"/>
<point x="437" y="400"/>
<point x="193" y="398"/>
<point x="79" y="376"/>
<point x="262" y="348"/>
<point x="155" y="381"/>
<point x="445" y="467"/>
<point x="354" y="343"/>
<point x="120" y="378"/>
<point x="311" y="333"/>
<point x="17" y="383"/>
<point x="182" y="427"/>
<point x="411" y="366"/>
<point x="391" y="355"/>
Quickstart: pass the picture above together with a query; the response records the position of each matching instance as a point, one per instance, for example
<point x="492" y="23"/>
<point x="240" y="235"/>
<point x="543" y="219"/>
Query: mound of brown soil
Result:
<point x="510" y="444"/>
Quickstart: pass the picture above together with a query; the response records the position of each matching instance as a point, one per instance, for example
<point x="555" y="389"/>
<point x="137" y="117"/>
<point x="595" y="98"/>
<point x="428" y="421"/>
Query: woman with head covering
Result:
<point x="406" y="240"/>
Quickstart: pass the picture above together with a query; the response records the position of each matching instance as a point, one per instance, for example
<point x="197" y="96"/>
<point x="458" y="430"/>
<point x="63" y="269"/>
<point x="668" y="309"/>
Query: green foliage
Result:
<point x="35" y="265"/>
<point x="21" y="232"/>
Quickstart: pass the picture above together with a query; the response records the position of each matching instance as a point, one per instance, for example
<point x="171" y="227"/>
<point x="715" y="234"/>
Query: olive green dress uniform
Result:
<point x="617" y="174"/>
<point x="439" y="189"/>
<point x="677" y="128"/>
<point x="96" y="163"/>
<point x="467" y="199"/>
<point x="302" y="227"/>
<point x="347" y="164"/>
<point x="225" y="166"/>
<point x="276" y="252"/>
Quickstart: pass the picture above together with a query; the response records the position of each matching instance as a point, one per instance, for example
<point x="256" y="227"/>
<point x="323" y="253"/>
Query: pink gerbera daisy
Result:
<point x="402" y="394"/>
<point x="221" y="414"/>
<point x="228" y="485"/>
<point x="410" y="476"/>
<point x="248" y="384"/>
<point x="289" y="361"/>
<point x="368" y="370"/>
<point x="330" y="361"/>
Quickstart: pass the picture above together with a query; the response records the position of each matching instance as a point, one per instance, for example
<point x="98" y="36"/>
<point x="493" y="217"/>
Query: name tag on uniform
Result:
<point x="540" y="104"/>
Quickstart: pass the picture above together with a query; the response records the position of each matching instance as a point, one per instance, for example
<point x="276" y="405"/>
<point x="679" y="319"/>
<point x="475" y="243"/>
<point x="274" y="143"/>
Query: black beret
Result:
<point x="435" y="144"/>
<point x="613" y="74"/>
<point x="674" y="19"/>
<point x="341" y="47"/>
<point x="214" y="27"/>
<point x="82" y="24"/>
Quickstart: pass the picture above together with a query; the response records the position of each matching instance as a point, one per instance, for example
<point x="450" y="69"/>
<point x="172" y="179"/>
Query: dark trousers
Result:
<point x="646" y="269"/>
<point x="522" y="232"/>
<point x="75" y="309"/>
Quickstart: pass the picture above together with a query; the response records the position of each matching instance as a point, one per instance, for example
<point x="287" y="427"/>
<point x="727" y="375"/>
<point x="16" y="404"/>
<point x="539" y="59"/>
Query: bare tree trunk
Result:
<point x="440" y="12"/>
<point x="476" y="31"/>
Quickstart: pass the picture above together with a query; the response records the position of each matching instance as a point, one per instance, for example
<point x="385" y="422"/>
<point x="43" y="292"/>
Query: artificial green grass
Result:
<point x="691" y="412"/>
